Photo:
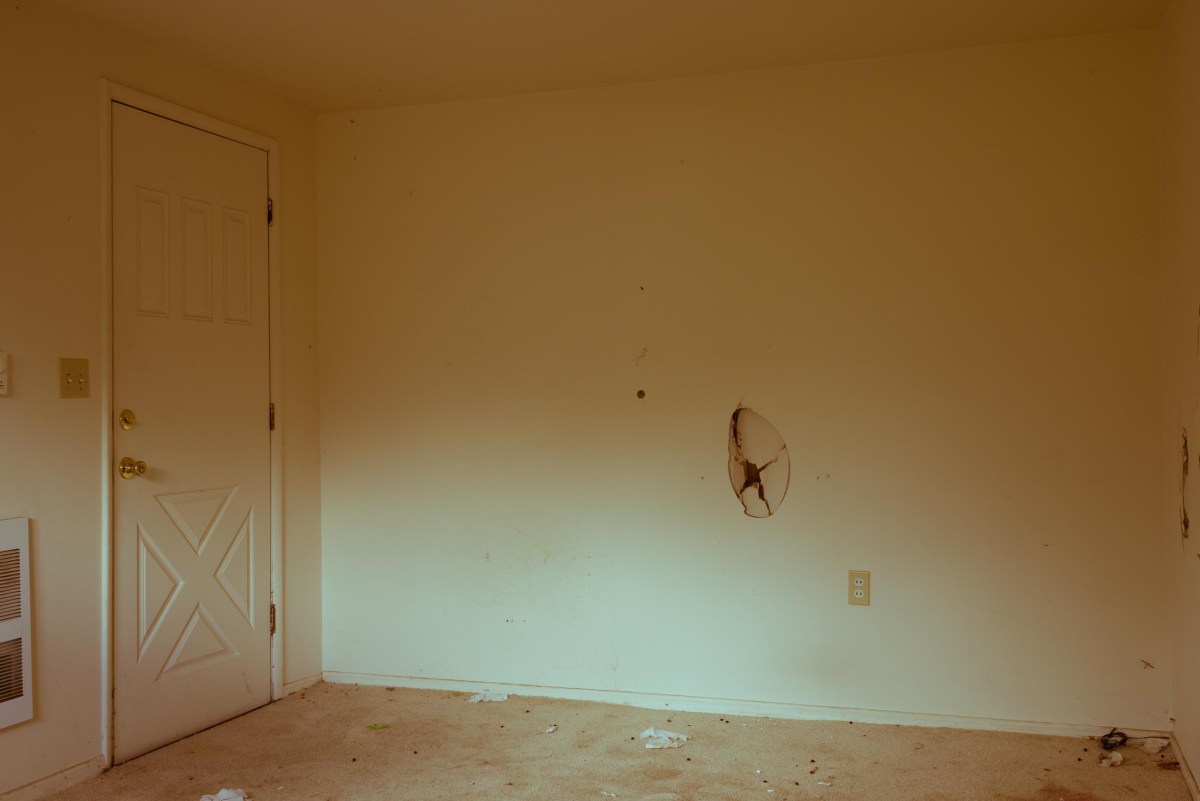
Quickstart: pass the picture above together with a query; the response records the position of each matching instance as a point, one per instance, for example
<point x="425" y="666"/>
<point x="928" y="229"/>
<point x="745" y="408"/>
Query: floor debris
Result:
<point x="378" y="726"/>
<point x="1152" y="745"/>
<point x="1112" y="759"/>
<point x="1114" y="739"/>
<point x="487" y="696"/>
<point x="307" y="746"/>
<point x="226" y="795"/>
<point x="553" y="727"/>
<point x="660" y="738"/>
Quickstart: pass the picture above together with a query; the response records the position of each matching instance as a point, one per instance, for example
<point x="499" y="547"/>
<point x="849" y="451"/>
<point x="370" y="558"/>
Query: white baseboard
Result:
<point x="735" y="706"/>
<point x="296" y="686"/>
<point x="56" y="781"/>
<point x="1188" y="776"/>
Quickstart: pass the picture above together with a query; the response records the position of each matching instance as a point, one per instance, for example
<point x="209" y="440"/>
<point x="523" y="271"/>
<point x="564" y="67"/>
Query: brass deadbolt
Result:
<point x="127" y="419"/>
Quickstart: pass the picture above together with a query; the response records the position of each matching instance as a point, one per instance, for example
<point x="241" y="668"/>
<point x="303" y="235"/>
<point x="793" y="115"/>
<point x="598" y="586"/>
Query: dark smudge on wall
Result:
<point x="1184" y="522"/>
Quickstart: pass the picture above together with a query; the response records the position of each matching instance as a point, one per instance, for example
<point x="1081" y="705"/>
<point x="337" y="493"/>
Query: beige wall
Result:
<point x="936" y="275"/>
<point x="1181" y="346"/>
<point x="50" y="239"/>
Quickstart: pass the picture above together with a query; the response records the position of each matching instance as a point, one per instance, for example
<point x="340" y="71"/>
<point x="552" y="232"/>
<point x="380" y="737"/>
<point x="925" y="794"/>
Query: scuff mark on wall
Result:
<point x="759" y="466"/>
<point x="546" y="552"/>
<point x="1184" y="522"/>
<point x="637" y="362"/>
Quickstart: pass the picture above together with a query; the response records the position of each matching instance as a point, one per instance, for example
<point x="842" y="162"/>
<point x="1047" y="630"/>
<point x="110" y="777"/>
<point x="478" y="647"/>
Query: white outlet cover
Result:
<point x="860" y="588"/>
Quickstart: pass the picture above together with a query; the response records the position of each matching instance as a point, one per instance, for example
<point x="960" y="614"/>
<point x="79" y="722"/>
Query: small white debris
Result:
<point x="756" y="770"/>
<point x="1152" y="745"/>
<point x="660" y="738"/>
<point x="226" y="795"/>
<point x="487" y="696"/>
<point x="770" y="789"/>
<point x="824" y="784"/>
<point x="1112" y="759"/>
<point x="553" y="727"/>
<point x="608" y="795"/>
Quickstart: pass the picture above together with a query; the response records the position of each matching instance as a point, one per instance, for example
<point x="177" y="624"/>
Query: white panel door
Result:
<point x="192" y="639"/>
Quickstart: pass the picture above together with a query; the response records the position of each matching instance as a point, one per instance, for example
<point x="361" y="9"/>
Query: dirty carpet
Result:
<point x="348" y="743"/>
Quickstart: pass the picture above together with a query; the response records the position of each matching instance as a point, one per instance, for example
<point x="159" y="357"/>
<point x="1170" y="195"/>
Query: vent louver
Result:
<point x="16" y="695"/>
<point x="10" y="584"/>
<point x="12" y="673"/>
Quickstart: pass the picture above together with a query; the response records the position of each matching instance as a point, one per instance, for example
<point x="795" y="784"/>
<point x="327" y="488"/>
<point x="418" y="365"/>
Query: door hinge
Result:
<point x="272" y="618"/>
<point x="271" y="417"/>
<point x="270" y="211"/>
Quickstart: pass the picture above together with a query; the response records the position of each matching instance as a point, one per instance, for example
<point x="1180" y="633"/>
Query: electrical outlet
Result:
<point x="860" y="587"/>
<point x="72" y="378"/>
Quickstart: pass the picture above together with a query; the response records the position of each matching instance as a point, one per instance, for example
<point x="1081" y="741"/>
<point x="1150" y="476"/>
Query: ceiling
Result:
<point x="348" y="54"/>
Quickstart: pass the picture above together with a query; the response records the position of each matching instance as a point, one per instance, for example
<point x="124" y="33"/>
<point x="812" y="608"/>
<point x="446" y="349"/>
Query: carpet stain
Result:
<point x="1053" y="792"/>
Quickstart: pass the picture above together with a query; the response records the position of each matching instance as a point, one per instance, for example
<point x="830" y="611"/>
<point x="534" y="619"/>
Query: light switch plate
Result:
<point x="73" y="378"/>
<point x="3" y="373"/>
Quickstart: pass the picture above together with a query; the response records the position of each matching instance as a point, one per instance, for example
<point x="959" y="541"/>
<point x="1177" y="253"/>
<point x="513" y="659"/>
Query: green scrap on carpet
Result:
<point x="378" y="726"/>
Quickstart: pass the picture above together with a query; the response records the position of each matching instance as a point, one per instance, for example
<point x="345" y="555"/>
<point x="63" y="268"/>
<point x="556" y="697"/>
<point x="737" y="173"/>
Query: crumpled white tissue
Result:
<point x="226" y="795"/>
<point x="661" y="738"/>
<point x="486" y="696"/>
<point x="1152" y="745"/>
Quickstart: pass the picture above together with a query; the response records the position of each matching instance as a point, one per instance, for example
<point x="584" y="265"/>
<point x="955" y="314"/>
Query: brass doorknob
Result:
<point x="131" y="468"/>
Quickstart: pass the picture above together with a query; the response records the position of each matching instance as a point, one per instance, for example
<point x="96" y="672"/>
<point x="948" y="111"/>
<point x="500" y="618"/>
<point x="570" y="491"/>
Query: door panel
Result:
<point x="192" y="637"/>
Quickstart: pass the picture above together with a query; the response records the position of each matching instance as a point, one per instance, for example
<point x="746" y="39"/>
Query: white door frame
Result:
<point x="110" y="92"/>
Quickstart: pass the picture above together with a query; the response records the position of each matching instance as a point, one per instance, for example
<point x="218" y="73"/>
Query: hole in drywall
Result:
<point x="759" y="466"/>
<point x="641" y="393"/>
